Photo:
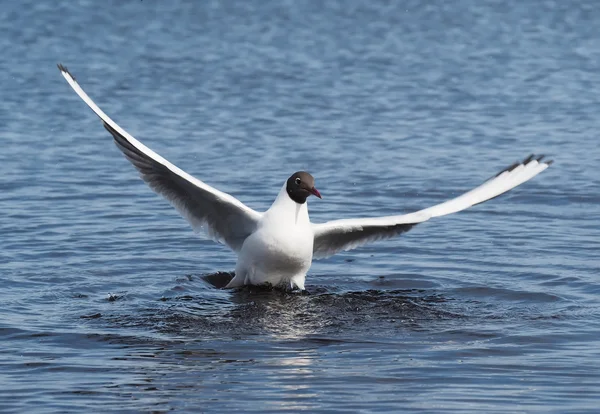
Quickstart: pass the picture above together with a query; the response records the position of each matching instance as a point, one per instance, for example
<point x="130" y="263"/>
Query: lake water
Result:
<point x="393" y="106"/>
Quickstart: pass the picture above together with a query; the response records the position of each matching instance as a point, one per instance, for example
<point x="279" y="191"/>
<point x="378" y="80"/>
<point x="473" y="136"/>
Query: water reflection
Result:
<point x="286" y="316"/>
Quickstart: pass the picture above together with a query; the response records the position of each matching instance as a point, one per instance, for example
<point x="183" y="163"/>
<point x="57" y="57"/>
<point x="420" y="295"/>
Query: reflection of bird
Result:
<point x="277" y="246"/>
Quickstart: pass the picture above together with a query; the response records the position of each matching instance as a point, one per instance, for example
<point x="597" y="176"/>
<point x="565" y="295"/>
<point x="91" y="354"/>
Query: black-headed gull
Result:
<point x="277" y="247"/>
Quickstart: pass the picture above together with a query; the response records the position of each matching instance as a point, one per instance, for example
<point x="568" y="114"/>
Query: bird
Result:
<point x="276" y="247"/>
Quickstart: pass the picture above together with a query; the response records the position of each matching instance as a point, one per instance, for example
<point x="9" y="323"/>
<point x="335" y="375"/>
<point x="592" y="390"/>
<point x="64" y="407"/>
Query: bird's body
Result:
<point x="277" y="247"/>
<point x="280" y="251"/>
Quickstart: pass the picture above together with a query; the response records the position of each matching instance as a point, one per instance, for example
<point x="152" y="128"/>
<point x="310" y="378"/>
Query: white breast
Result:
<point x="280" y="251"/>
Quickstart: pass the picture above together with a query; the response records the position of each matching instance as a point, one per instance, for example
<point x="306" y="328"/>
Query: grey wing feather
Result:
<point x="220" y="219"/>
<point x="225" y="218"/>
<point x="335" y="236"/>
<point x="339" y="235"/>
<point x="349" y="238"/>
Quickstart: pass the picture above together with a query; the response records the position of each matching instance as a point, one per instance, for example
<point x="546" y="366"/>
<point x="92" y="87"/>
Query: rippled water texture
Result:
<point x="393" y="106"/>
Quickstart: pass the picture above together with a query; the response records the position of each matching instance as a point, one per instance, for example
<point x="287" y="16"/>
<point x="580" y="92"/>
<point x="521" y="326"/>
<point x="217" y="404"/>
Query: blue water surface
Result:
<point x="393" y="107"/>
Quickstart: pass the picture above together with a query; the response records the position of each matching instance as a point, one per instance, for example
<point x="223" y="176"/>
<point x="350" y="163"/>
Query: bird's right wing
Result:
<point x="338" y="235"/>
<point x="225" y="218"/>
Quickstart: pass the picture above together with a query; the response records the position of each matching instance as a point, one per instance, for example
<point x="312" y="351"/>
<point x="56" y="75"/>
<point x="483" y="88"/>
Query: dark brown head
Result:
<point x="300" y="186"/>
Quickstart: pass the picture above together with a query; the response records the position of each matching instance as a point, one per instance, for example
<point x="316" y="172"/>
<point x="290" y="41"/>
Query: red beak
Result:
<point x="315" y="192"/>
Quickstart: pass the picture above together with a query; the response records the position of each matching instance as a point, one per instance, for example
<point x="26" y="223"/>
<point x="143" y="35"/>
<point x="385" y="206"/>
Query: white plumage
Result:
<point x="278" y="246"/>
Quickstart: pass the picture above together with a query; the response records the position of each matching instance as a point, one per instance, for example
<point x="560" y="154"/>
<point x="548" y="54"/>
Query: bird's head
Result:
<point x="300" y="186"/>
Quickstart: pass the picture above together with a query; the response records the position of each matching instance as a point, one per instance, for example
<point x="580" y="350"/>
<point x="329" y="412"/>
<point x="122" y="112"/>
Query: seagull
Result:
<point x="277" y="247"/>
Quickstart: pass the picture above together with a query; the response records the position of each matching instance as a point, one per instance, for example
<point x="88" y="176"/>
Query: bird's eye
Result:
<point x="298" y="180"/>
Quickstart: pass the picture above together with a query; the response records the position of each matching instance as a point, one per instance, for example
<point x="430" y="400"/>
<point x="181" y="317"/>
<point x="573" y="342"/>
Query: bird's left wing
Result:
<point x="225" y="218"/>
<point x="338" y="235"/>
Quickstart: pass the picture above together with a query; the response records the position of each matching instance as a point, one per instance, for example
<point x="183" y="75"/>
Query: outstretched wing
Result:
<point x="338" y="235"/>
<point x="225" y="218"/>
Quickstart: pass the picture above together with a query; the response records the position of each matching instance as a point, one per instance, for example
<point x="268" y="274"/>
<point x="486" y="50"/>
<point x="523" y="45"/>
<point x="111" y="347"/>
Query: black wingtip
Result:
<point x="528" y="159"/>
<point x="512" y="167"/>
<point x="539" y="158"/>
<point x="64" y="69"/>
